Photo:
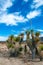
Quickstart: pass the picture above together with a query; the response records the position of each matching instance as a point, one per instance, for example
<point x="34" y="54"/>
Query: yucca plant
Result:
<point x="9" y="45"/>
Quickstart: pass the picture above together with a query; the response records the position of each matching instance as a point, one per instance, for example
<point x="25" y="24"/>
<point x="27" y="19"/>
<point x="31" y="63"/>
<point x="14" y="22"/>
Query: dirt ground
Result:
<point x="17" y="61"/>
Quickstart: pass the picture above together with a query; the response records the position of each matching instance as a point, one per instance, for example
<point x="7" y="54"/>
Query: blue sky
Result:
<point x="16" y="16"/>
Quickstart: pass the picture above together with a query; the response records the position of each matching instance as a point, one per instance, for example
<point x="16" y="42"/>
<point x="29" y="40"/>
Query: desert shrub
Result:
<point x="20" y="49"/>
<point x="9" y="45"/>
<point x="41" y="47"/>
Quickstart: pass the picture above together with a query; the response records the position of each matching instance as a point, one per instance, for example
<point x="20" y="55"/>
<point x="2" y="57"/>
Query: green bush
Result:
<point x="41" y="47"/>
<point x="20" y="49"/>
<point x="9" y="45"/>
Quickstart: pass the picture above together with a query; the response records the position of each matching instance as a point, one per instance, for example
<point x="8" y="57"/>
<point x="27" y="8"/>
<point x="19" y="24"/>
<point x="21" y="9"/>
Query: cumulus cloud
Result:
<point x="5" y="4"/>
<point x="9" y="19"/>
<point x="12" y="19"/>
<point x="37" y="3"/>
<point x="15" y="18"/>
<point x="33" y="14"/>
<point x="3" y="38"/>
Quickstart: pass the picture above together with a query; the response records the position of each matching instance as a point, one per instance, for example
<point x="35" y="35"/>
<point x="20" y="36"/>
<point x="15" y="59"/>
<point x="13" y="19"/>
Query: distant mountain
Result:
<point x="2" y="42"/>
<point x="41" y="38"/>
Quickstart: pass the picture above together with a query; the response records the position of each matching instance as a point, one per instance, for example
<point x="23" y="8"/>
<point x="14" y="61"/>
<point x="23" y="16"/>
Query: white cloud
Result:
<point x="41" y="35"/>
<point x="37" y="3"/>
<point x="3" y="38"/>
<point x="5" y="4"/>
<point x="12" y="19"/>
<point x="9" y="19"/>
<point x="15" y="18"/>
<point x="4" y="18"/>
<point x="40" y="30"/>
<point x="33" y="14"/>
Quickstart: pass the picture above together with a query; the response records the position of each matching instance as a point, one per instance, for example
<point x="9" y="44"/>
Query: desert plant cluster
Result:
<point x="17" y="46"/>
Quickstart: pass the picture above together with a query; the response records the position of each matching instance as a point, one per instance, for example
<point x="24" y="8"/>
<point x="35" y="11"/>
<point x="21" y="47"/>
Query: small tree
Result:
<point x="10" y="45"/>
<point x="11" y="39"/>
<point x="17" y="39"/>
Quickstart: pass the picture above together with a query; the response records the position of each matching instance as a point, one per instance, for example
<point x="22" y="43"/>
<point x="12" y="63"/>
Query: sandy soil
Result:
<point x="11" y="61"/>
<point x="16" y="61"/>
